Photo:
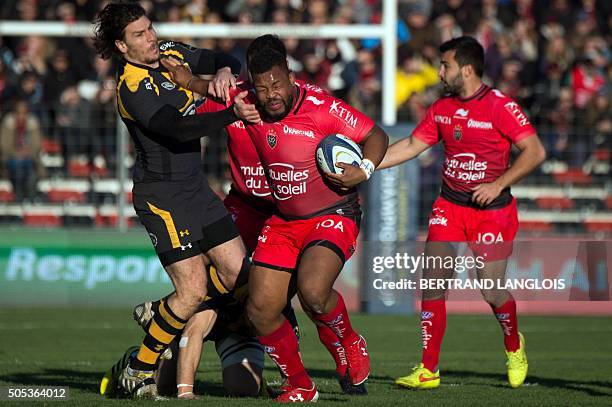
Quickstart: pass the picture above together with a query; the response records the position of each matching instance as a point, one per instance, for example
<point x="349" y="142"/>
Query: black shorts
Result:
<point x="183" y="218"/>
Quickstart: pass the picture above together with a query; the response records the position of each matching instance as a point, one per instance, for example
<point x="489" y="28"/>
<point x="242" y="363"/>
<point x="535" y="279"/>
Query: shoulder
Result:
<point x="496" y="99"/>
<point x="131" y="78"/>
<point x="168" y="45"/>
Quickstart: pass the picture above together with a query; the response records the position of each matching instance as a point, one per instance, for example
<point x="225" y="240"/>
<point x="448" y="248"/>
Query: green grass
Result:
<point x="570" y="359"/>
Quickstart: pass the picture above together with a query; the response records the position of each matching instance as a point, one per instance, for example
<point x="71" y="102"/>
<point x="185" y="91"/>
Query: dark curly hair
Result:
<point x="265" y="60"/>
<point x="267" y="41"/>
<point x="110" y="26"/>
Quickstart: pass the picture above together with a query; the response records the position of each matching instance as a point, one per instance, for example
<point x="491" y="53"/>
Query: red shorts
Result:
<point x="282" y="242"/>
<point x="249" y="219"/>
<point x="489" y="232"/>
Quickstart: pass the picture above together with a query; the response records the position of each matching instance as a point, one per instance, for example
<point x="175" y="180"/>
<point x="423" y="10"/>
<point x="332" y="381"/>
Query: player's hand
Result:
<point x="350" y="177"/>
<point x="221" y="84"/>
<point x="484" y="194"/>
<point x="245" y="111"/>
<point x="179" y="72"/>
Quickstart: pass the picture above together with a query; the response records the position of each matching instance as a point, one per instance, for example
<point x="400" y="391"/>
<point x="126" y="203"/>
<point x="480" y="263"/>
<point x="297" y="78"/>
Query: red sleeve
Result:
<point x="427" y="129"/>
<point x="510" y="120"/>
<point x="213" y="105"/>
<point x="338" y="117"/>
<point x="210" y="105"/>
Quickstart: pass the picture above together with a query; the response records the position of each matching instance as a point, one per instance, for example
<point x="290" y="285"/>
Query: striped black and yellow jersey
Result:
<point x="141" y="93"/>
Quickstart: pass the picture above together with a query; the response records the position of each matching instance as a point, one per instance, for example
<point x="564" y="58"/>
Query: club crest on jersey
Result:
<point x="272" y="139"/>
<point x="457" y="132"/>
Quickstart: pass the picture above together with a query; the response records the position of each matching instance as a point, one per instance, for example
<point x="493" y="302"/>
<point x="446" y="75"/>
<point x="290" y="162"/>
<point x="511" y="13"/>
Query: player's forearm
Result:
<point x="375" y="145"/>
<point x="169" y="122"/>
<point x="188" y="361"/>
<point x="529" y="159"/>
<point x="402" y="151"/>
<point x="198" y="85"/>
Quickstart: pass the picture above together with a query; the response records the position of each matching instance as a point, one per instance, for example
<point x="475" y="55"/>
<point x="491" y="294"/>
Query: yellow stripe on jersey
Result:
<point x="133" y="75"/>
<point x="167" y="218"/>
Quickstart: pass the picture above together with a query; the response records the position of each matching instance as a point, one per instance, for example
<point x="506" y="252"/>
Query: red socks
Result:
<point x="332" y="344"/>
<point x="433" y="325"/>
<point x="506" y="316"/>
<point x="282" y="347"/>
<point x="338" y="321"/>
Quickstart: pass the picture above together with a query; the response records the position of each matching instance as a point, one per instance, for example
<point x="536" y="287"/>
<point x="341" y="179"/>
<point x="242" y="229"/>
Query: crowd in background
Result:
<point x="553" y="56"/>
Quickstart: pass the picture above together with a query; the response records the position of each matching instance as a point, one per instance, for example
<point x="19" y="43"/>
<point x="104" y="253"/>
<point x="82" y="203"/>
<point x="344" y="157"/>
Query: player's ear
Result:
<point x="121" y="46"/>
<point x="291" y="78"/>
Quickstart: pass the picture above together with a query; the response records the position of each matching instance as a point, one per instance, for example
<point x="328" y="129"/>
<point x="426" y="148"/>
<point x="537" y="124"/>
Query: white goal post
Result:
<point x="387" y="32"/>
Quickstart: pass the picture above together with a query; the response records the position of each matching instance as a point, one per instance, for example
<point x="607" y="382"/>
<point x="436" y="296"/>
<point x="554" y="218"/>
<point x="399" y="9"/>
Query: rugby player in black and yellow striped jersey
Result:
<point x="186" y="221"/>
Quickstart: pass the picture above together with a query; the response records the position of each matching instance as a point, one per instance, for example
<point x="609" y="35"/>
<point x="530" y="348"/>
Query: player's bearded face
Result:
<point x="141" y="42"/>
<point x="454" y="84"/>
<point x="450" y="74"/>
<point x="274" y="90"/>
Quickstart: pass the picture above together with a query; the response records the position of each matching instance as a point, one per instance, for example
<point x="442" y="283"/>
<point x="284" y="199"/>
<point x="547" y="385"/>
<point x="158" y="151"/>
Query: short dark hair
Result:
<point x="110" y="25"/>
<point x="267" y="41"/>
<point x="265" y="60"/>
<point x="468" y="51"/>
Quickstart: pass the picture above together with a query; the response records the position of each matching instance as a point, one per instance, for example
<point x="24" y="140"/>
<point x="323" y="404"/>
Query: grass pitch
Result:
<point x="570" y="359"/>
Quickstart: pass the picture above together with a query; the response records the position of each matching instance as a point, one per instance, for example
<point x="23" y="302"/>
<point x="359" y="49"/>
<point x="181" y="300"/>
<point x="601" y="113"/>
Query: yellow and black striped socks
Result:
<point x="164" y="327"/>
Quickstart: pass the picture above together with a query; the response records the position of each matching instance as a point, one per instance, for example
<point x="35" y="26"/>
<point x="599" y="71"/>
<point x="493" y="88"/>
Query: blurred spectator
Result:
<point x="586" y="81"/>
<point x="316" y="70"/>
<point x="251" y="11"/>
<point x="104" y="124"/>
<point x="30" y="89"/>
<point x="366" y="91"/>
<point x="414" y="76"/>
<point x="20" y="144"/>
<point x="73" y="126"/>
<point x="7" y="87"/>
<point x="58" y="77"/>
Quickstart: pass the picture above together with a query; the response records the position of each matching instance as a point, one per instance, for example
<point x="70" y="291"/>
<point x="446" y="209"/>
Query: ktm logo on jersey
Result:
<point x="272" y="139"/>
<point x="457" y="132"/>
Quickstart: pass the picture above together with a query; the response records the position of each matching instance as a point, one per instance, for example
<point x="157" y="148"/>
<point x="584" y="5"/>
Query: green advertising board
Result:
<point x="78" y="267"/>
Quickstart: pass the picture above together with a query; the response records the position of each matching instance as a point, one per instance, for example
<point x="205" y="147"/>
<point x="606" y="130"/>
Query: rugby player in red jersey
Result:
<point x="249" y="201"/>
<point x="477" y="126"/>
<point x="316" y="226"/>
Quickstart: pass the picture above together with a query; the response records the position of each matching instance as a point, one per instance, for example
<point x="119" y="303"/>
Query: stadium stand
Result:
<point x="553" y="56"/>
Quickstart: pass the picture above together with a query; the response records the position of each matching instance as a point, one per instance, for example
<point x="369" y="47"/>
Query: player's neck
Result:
<point x="153" y="65"/>
<point x="470" y="88"/>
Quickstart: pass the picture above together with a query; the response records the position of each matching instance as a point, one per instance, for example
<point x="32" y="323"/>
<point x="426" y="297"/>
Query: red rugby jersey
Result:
<point x="477" y="133"/>
<point x="287" y="152"/>
<point x="248" y="177"/>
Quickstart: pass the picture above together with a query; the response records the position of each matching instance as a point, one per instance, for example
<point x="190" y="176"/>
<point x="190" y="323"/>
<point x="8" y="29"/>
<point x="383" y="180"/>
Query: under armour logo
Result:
<point x="364" y="352"/>
<point x="296" y="398"/>
<point x="187" y="246"/>
<point x="159" y="348"/>
<point x="184" y="232"/>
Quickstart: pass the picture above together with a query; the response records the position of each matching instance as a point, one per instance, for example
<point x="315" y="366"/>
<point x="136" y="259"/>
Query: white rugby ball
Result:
<point x="337" y="148"/>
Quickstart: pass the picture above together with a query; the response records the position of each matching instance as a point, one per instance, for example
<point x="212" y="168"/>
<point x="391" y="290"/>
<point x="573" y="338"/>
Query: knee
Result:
<point x="315" y="303"/>
<point x="495" y="298"/>
<point x="257" y="312"/>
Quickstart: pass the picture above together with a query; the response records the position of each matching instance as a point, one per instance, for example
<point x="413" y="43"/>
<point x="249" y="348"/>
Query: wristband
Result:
<point x="368" y="167"/>
<point x="178" y="386"/>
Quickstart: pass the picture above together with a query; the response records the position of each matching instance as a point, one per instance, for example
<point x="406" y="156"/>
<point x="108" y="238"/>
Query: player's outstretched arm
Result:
<point x="402" y="151"/>
<point x="190" y="350"/>
<point x="532" y="154"/>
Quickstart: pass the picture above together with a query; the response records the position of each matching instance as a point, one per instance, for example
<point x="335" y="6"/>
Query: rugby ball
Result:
<point x="337" y="148"/>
